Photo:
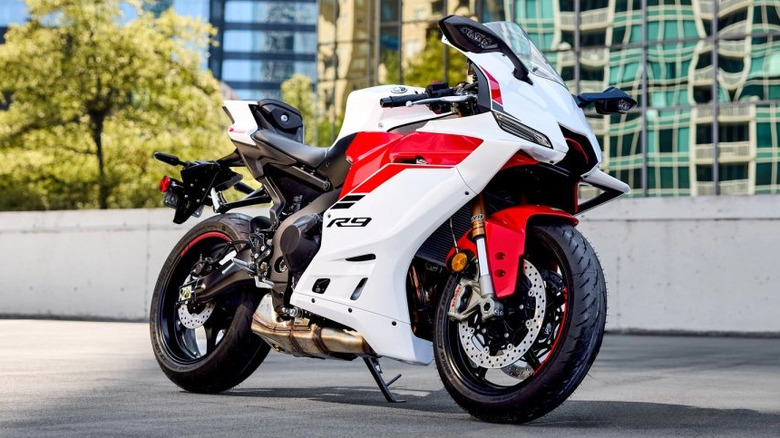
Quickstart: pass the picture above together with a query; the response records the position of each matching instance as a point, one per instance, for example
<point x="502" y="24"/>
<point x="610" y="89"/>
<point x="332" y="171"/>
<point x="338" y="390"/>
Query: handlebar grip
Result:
<point x="396" y="101"/>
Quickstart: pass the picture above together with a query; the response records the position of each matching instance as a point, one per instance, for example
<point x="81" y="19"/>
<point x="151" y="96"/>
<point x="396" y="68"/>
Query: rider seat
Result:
<point x="281" y="128"/>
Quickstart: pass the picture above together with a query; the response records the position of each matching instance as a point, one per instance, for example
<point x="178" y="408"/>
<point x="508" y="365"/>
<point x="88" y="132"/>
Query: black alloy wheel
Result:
<point x="205" y="347"/>
<point x="520" y="366"/>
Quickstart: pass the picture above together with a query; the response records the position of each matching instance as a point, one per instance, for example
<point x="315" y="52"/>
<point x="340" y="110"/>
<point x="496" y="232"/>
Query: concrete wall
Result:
<point x="672" y="264"/>
<point x="690" y="264"/>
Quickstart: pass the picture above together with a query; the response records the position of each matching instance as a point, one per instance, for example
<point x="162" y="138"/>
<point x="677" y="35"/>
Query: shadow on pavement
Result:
<point x="423" y="401"/>
<point x="583" y="415"/>
<point x="677" y="420"/>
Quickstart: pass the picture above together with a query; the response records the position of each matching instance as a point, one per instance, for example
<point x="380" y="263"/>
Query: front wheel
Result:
<point x="520" y="366"/>
<point x="206" y="347"/>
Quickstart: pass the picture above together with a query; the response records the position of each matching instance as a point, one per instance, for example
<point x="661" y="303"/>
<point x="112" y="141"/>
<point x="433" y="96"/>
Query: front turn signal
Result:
<point x="459" y="261"/>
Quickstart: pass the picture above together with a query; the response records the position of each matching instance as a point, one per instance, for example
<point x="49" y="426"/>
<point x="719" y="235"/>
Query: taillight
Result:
<point x="165" y="183"/>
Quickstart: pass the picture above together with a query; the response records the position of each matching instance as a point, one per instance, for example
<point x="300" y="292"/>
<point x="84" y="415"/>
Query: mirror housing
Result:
<point x="610" y="101"/>
<point x="470" y="36"/>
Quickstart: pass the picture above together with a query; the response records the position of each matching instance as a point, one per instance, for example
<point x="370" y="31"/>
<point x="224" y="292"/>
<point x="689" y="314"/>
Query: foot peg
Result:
<point x="376" y="371"/>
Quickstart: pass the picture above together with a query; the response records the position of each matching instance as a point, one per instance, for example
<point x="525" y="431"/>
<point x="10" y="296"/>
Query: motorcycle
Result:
<point x="440" y="226"/>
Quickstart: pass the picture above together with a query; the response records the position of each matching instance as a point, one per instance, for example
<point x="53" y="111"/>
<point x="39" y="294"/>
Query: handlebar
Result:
<point x="396" y="101"/>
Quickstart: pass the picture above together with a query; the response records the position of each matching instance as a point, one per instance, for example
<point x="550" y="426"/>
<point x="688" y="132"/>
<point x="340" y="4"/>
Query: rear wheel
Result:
<point x="522" y="365"/>
<point x="206" y="347"/>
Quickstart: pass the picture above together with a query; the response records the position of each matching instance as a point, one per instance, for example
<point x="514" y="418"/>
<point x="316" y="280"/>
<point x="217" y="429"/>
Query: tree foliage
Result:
<point x="426" y="66"/>
<point x="91" y="94"/>
<point x="319" y="130"/>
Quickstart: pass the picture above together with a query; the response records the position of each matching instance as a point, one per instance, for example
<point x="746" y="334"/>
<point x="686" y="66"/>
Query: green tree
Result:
<point x="91" y="93"/>
<point x="427" y="66"/>
<point x="319" y="130"/>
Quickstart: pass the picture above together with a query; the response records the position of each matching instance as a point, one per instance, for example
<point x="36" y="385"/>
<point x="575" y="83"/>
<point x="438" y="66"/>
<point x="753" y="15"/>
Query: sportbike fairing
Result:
<point x="368" y="243"/>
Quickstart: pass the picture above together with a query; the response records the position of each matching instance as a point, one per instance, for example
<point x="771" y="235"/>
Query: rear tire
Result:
<point x="576" y="302"/>
<point x="228" y="351"/>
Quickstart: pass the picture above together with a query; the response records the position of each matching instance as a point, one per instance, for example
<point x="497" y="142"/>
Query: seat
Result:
<point x="309" y="155"/>
<point x="335" y="166"/>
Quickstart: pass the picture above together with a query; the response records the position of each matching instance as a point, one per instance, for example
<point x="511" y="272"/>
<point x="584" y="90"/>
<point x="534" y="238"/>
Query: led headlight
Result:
<point x="514" y="127"/>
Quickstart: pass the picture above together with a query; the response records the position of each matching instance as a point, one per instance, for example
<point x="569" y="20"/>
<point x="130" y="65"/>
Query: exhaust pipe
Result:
<point x="303" y="338"/>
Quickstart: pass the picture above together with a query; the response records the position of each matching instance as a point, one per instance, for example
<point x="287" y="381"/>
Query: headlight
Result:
<point x="514" y="127"/>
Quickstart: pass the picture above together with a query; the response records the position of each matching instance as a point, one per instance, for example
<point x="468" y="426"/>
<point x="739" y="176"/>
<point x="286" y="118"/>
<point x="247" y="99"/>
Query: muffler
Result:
<point x="304" y="338"/>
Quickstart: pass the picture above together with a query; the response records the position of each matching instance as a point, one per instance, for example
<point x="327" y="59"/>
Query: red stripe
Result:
<point x="387" y="172"/>
<point x="495" y="89"/>
<point x="201" y="237"/>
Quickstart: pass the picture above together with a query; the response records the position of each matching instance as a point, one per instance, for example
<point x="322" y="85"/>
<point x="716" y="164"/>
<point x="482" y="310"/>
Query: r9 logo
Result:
<point x="349" y="222"/>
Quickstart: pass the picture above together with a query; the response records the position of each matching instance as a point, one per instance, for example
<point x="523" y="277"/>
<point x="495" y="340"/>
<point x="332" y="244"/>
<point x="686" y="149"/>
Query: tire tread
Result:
<point x="574" y="356"/>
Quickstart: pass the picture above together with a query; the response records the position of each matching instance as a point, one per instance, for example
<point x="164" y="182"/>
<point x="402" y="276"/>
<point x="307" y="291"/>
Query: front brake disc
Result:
<point x="476" y="346"/>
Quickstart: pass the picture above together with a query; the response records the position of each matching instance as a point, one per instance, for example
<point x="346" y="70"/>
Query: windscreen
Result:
<point x="525" y="49"/>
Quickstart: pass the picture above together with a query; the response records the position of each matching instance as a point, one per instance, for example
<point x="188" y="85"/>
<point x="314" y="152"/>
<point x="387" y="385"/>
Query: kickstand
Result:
<point x="376" y="371"/>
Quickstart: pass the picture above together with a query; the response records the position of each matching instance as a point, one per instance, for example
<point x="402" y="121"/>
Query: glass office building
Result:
<point x="259" y="43"/>
<point x="685" y="61"/>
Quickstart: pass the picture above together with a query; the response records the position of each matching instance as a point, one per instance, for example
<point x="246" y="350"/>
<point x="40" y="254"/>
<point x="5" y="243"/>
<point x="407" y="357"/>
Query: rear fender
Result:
<point x="505" y="233"/>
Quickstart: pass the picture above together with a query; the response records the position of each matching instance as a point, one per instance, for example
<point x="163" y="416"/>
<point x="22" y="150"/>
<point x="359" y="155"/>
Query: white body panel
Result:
<point x="244" y="123"/>
<point x="404" y="211"/>
<point x="363" y="112"/>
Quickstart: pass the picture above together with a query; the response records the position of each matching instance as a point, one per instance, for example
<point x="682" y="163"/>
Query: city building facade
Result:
<point x="259" y="44"/>
<point x="685" y="61"/>
<point x="706" y="72"/>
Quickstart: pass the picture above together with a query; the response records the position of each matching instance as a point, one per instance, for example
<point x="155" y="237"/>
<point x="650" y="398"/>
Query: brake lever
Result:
<point x="446" y="99"/>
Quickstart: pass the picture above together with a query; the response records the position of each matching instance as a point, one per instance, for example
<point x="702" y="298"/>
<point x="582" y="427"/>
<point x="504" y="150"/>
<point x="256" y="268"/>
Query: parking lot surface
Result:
<point x="67" y="378"/>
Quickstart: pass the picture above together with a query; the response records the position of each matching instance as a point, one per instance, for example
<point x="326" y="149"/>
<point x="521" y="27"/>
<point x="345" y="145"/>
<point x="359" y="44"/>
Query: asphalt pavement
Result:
<point x="66" y="378"/>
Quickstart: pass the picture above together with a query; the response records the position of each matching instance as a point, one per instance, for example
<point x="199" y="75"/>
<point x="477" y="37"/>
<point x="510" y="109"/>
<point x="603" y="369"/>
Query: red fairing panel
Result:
<point x="505" y="233"/>
<point x="519" y="159"/>
<point x="495" y="89"/>
<point x="378" y="156"/>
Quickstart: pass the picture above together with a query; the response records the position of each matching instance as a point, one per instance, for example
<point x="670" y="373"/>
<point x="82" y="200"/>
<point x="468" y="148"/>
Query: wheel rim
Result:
<point x="496" y="381"/>
<point x="189" y="333"/>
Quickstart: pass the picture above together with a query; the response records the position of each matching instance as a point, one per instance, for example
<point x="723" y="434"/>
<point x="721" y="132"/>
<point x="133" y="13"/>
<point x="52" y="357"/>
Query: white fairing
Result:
<point x="244" y="123"/>
<point x="404" y="211"/>
<point x="363" y="112"/>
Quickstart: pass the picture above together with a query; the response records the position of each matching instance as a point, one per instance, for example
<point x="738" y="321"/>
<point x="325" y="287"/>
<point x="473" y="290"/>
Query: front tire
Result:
<point x="561" y="352"/>
<point x="222" y="351"/>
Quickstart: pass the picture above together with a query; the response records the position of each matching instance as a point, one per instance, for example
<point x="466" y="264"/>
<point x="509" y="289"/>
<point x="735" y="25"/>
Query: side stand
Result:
<point x="376" y="371"/>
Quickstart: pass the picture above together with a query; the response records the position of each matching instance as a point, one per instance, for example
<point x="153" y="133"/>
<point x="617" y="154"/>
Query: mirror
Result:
<point x="614" y="106"/>
<point x="610" y="101"/>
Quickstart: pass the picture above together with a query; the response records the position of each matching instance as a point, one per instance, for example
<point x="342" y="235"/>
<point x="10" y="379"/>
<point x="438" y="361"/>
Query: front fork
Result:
<point x="470" y="297"/>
